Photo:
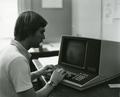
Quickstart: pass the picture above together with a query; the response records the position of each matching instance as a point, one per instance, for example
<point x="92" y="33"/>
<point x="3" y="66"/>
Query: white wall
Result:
<point x="86" y="18"/>
<point x="8" y="15"/>
<point x="24" y="5"/>
<point x="96" y="19"/>
<point x="111" y="20"/>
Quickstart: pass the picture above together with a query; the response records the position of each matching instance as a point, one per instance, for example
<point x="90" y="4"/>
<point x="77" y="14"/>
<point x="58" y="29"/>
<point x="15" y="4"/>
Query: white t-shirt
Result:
<point x="14" y="70"/>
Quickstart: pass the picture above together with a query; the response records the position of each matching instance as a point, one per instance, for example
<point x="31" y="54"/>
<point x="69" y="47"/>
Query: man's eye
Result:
<point x="42" y="32"/>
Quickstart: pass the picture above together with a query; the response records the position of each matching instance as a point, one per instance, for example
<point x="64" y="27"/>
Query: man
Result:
<point x="15" y="76"/>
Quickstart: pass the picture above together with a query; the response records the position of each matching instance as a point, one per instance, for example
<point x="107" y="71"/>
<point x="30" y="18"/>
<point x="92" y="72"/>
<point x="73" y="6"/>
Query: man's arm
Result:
<point x="40" y="93"/>
<point x="35" y="74"/>
<point x="56" y="77"/>
<point x="27" y="93"/>
<point x="42" y="71"/>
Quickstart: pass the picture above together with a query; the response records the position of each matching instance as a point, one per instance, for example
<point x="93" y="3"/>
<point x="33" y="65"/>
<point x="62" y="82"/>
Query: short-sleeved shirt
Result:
<point x="14" y="70"/>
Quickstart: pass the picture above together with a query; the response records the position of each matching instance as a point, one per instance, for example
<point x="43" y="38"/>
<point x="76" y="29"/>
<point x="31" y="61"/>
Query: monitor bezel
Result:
<point x="64" y="38"/>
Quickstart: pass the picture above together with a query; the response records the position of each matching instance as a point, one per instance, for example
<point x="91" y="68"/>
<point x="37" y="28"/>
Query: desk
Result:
<point x="101" y="90"/>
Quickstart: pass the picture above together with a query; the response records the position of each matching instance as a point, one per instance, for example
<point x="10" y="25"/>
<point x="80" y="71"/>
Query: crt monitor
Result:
<point x="99" y="58"/>
<point x="80" y="53"/>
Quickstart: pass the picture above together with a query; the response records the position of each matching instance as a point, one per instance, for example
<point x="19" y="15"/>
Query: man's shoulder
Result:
<point x="11" y="53"/>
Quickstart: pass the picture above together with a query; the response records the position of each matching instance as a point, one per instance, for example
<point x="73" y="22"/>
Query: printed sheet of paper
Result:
<point x="114" y="85"/>
<point x="41" y="62"/>
<point x="48" y="60"/>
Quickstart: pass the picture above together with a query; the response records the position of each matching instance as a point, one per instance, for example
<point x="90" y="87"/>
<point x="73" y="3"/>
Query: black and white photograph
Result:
<point x="59" y="48"/>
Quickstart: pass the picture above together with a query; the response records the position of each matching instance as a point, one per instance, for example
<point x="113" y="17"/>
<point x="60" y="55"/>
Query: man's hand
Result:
<point x="57" y="76"/>
<point x="47" y="69"/>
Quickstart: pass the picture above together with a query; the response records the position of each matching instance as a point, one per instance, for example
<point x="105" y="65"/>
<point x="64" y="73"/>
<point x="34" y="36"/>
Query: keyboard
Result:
<point x="75" y="76"/>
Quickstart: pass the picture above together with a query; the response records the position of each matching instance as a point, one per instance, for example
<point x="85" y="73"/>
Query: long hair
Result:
<point x="27" y="24"/>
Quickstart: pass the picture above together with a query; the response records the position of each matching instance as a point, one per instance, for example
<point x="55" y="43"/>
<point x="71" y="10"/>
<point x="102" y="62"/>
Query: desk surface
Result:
<point x="101" y="90"/>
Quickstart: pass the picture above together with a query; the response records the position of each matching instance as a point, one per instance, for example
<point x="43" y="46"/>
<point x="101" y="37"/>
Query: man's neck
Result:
<point x="25" y="44"/>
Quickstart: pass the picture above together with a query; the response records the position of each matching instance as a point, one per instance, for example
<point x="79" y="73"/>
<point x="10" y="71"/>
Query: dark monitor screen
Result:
<point x="82" y="53"/>
<point x="74" y="52"/>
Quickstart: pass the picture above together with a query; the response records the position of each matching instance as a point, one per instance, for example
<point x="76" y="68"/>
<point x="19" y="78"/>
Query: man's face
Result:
<point x="38" y="37"/>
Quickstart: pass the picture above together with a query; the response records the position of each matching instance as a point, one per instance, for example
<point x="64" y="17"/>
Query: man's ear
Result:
<point x="30" y="37"/>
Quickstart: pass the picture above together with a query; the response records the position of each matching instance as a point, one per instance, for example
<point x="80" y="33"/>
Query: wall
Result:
<point x="111" y="20"/>
<point x="96" y="19"/>
<point x="24" y="5"/>
<point x="86" y="18"/>
<point x="59" y="19"/>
